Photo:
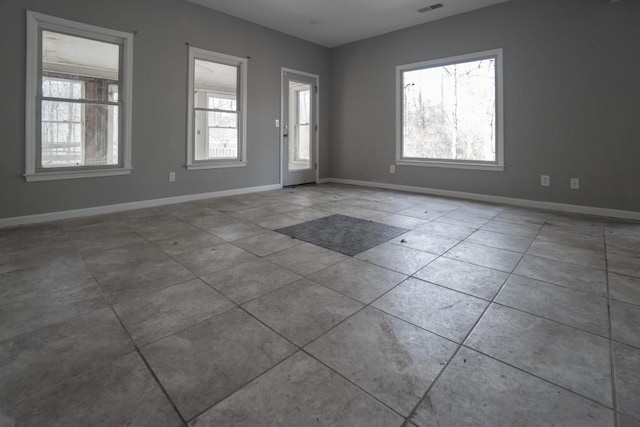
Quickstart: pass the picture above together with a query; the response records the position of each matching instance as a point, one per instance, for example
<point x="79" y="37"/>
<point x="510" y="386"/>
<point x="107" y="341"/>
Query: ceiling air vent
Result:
<point x="432" y="7"/>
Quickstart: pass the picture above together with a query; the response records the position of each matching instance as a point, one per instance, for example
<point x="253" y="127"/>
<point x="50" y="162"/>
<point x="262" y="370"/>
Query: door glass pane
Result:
<point x="300" y="135"/>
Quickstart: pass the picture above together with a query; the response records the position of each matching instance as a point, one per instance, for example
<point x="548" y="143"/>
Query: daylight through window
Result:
<point x="449" y="110"/>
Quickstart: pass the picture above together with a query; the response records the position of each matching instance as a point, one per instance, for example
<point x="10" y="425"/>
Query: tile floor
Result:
<point x="200" y="314"/>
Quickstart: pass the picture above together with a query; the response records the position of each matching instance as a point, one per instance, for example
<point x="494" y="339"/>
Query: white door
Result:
<point x="299" y="128"/>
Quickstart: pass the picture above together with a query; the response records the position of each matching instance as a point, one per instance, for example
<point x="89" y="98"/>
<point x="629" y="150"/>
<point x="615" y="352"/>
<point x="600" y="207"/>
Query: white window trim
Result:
<point x="206" y="55"/>
<point x="37" y="21"/>
<point x="498" y="165"/>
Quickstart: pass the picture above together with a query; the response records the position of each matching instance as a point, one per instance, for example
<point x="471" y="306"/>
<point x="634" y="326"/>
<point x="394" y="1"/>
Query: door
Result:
<point x="299" y="128"/>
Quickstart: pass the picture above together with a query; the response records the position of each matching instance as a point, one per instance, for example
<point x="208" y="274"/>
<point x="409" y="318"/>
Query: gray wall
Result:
<point x="571" y="93"/>
<point x="159" y="101"/>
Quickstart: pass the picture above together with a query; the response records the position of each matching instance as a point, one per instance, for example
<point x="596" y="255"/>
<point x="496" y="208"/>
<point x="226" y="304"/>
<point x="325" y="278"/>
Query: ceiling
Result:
<point x="332" y="23"/>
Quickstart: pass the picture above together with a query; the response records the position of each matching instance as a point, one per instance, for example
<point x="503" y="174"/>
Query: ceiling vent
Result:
<point x="432" y="7"/>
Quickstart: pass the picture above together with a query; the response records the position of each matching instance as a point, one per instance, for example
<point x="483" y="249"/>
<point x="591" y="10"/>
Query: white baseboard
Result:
<point x="323" y="180"/>
<point x="563" y="207"/>
<point x="99" y="210"/>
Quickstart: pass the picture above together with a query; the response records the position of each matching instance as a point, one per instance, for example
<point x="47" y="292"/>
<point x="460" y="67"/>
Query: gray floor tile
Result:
<point x="162" y="313"/>
<point x="249" y="280"/>
<point x="139" y="279"/>
<point x="445" y="312"/>
<point x="303" y="310"/>
<point x="522" y="216"/>
<point x="423" y="212"/>
<point x="521" y="230"/>
<point x="34" y="257"/>
<point x="267" y="243"/>
<point x="390" y="359"/>
<point x="93" y="243"/>
<point x="472" y="279"/>
<point x="235" y="231"/>
<point x="574" y="308"/>
<point x="500" y="241"/>
<point x="358" y="279"/>
<point x="623" y="264"/>
<point x="203" y="364"/>
<point x="561" y="273"/>
<point x="561" y="354"/>
<point x="210" y="221"/>
<point x="401" y="221"/>
<point x="627" y="367"/>
<point x="187" y="242"/>
<point x="627" y="421"/>
<point x="35" y="361"/>
<point x="424" y="240"/>
<point x="476" y="390"/>
<point x="624" y="288"/>
<point x="448" y="230"/>
<point x="166" y="230"/>
<point x="102" y="263"/>
<point x="625" y="323"/>
<point x="208" y="260"/>
<point x="37" y="297"/>
<point x="575" y="223"/>
<point x="485" y="256"/>
<point x="399" y="258"/>
<point x="123" y="393"/>
<point x="623" y="242"/>
<point x="463" y="219"/>
<point x="300" y="392"/>
<point x="585" y="241"/>
<point x="278" y="221"/>
<point x="306" y="258"/>
<point x="584" y="257"/>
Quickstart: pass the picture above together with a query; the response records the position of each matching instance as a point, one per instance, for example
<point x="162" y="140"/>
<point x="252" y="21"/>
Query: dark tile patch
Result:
<point x="343" y="234"/>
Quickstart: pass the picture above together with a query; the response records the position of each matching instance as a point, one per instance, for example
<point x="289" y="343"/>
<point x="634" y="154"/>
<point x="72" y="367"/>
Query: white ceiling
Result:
<point x="332" y="23"/>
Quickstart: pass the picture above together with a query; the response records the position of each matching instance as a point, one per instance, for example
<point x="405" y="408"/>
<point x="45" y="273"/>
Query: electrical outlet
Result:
<point x="277" y="123"/>
<point x="172" y="176"/>
<point x="392" y="169"/>
<point x="545" y="180"/>
<point x="575" y="183"/>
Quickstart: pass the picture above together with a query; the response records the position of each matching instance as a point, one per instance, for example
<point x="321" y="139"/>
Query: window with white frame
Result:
<point x="78" y="99"/>
<point x="450" y="112"/>
<point x="217" y="110"/>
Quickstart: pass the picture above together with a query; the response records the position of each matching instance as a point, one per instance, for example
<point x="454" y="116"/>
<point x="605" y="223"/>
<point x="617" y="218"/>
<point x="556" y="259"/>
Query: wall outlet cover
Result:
<point x="545" y="180"/>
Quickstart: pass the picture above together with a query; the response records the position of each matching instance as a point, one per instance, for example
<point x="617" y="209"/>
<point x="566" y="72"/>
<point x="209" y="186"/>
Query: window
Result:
<point x="450" y="112"/>
<point x="217" y="110"/>
<point x="77" y="121"/>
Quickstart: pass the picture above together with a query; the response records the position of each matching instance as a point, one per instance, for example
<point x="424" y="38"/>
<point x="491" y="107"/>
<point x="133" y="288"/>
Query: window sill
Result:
<point x="216" y="165"/>
<point x="451" y="165"/>
<point x="53" y="176"/>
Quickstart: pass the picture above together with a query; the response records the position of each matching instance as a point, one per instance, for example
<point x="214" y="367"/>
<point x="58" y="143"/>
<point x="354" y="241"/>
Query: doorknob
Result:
<point x="285" y="132"/>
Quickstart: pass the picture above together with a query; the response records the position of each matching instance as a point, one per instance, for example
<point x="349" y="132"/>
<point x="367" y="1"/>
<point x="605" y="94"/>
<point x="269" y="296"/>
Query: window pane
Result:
<point x="93" y="64"/>
<point x="76" y="134"/>
<point x="216" y="135"/>
<point x="449" y="112"/>
<point x="218" y="103"/>
<point x="217" y="78"/>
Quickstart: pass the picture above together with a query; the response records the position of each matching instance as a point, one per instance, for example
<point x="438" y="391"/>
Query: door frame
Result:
<point x="283" y="71"/>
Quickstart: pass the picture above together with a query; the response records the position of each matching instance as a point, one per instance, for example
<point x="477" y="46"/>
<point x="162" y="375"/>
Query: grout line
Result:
<point x="614" y="394"/>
